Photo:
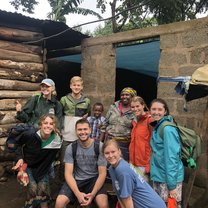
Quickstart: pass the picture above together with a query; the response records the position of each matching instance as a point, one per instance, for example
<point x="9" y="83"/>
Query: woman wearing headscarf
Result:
<point x="118" y="123"/>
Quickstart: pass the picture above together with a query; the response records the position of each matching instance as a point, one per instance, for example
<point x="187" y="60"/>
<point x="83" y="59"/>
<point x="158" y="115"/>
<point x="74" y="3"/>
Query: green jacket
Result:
<point x="72" y="107"/>
<point x="37" y="106"/>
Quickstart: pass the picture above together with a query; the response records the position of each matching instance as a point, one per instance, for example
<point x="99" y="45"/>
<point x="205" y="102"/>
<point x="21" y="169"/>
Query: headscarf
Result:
<point x="129" y="90"/>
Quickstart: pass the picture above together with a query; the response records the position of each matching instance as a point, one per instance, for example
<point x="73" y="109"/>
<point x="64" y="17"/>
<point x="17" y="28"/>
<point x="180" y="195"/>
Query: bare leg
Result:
<point x="102" y="201"/>
<point x="61" y="201"/>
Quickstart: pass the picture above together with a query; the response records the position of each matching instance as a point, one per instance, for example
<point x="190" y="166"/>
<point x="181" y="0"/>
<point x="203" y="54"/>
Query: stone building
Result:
<point x="183" y="49"/>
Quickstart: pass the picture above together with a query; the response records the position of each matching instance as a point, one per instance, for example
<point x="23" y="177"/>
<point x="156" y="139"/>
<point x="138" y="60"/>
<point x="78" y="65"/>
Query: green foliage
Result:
<point x="106" y="30"/>
<point x="134" y="14"/>
<point x="24" y="5"/>
<point x="168" y="11"/>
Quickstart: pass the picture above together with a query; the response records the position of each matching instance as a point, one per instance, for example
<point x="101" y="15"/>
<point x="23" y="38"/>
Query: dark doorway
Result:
<point x="145" y="86"/>
<point x="61" y="72"/>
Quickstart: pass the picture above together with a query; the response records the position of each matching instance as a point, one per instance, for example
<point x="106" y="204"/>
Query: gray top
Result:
<point x="86" y="161"/>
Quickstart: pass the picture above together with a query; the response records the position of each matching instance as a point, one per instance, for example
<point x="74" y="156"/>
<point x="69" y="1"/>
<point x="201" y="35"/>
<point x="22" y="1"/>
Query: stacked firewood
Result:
<point x="22" y="67"/>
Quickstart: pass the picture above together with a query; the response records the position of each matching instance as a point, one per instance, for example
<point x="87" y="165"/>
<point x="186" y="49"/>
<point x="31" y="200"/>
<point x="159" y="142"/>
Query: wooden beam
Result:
<point x="20" y="47"/>
<point x="23" y="75"/>
<point x="4" y="128"/>
<point x="64" y="52"/>
<point x="18" y="85"/>
<point x="7" y="117"/>
<point x="38" y="67"/>
<point x="16" y="94"/>
<point x="19" y="56"/>
<point x="19" y="35"/>
<point x="10" y="104"/>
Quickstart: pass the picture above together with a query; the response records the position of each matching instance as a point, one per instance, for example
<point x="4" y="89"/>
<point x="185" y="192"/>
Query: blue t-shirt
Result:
<point x="126" y="183"/>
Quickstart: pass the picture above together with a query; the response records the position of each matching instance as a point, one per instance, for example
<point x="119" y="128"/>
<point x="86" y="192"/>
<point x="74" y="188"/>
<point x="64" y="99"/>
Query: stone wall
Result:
<point x="98" y="72"/>
<point x="184" y="48"/>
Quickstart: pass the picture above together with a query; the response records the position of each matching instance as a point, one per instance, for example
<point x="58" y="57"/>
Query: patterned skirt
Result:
<point x="162" y="190"/>
<point x="37" y="192"/>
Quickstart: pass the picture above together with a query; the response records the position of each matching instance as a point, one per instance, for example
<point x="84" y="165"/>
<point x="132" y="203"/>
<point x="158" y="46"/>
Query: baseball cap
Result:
<point x="48" y="82"/>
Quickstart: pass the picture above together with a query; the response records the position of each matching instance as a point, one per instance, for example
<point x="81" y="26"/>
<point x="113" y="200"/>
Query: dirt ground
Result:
<point x="13" y="195"/>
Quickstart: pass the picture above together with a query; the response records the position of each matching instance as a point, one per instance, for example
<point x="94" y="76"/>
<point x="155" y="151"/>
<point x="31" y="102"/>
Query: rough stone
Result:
<point x="194" y="38"/>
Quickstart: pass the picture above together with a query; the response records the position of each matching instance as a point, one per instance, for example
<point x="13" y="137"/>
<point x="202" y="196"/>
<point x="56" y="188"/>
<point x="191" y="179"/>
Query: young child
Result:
<point x="75" y="106"/>
<point x="96" y="120"/>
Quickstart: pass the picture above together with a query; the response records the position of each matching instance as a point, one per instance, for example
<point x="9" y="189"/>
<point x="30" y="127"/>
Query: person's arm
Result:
<point x="70" y="180"/>
<point x="171" y="155"/>
<point x="24" y="113"/>
<point x="103" y="126"/>
<point x="102" y="171"/>
<point x="126" y="202"/>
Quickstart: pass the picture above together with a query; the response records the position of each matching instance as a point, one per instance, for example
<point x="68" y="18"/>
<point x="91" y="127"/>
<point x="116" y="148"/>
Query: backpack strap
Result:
<point x="96" y="149"/>
<point x="74" y="150"/>
<point x="164" y="124"/>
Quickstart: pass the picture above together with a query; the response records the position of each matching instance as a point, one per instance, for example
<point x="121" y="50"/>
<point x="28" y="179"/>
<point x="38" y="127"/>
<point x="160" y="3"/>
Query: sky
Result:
<point x="72" y="19"/>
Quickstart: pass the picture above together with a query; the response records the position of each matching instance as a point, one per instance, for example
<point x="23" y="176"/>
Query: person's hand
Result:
<point x="18" y="164"/>
<point x="18" y="106"/>
<point x="173" y="193"/>
<point x="89" y="197"/>
<point x="82" y="199"/>
<point x="85" y="116"/>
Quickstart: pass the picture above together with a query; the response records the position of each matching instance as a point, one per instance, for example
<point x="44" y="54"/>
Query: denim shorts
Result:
<point x="85" y="186"/>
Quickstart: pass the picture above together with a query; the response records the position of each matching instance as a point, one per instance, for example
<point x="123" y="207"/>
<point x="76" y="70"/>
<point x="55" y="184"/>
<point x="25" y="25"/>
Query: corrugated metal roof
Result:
<point x="70" y="38"/>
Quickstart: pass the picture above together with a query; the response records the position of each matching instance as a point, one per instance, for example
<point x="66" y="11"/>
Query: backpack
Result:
<point x="190" y="144"/>
<point x="96" y="149"/>
<point x="15" y="133"/>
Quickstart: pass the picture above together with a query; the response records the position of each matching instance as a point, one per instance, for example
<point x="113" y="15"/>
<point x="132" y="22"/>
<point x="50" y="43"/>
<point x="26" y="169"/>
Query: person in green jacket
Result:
<point x="42" y="103"/>
<point x="75" y="106"/>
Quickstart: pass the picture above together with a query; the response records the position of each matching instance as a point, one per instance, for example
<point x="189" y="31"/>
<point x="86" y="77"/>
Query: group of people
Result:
<point x="144" y="168"/>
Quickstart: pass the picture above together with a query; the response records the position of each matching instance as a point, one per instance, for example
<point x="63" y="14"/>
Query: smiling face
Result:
<point x="157" y="110"/>
<point x="125" y="98"/>
<point x="137" y="108"/>
<point x="83" y="131"/>
<point x="112" y="154"/>
<point x="46" y="90"/>
<point x="76" y="87"/>
<point x="97" y="110"/>
<point x="47" y="126"/>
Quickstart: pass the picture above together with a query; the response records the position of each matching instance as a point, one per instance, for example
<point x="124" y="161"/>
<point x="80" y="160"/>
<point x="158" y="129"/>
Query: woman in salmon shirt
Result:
<point x="139" y="149"/>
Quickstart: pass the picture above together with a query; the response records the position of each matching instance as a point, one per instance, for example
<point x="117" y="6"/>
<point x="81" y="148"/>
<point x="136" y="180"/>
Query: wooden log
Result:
<point x="4" y="129"/>
<point x="9" y="104"/>
<point x="20" y="47"/>
<point x="38" y="67"/>
<point x="3" y="141"/>
<point x="19" y="56"/>
<point x="7" y="117"/>
<point x="16" y="94"/>
<point x="22" y="75"/>
<point x="17" y="85"/>
<point x="19" y="35"/>
<point x="5" y="156"/>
